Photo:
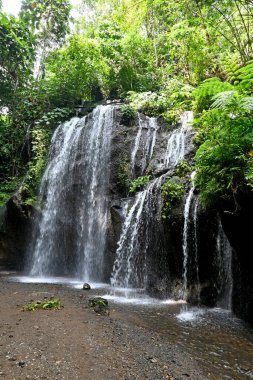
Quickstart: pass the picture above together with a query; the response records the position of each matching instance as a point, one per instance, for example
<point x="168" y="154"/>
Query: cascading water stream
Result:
<point x="196" y="259"/>
<point x="177" y="141"/>
<point x="70" y="237"/>
<point x="224" y="262"/>
<point x="130" y="266"/>
<point x="186" y="230"/>
<point x="144" y="143"/>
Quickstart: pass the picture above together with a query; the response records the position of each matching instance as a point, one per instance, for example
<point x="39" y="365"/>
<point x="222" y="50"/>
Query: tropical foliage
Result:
<point x="139" y="183"/>
<point x="172" y="192"/>
<point x="162" y="57"/>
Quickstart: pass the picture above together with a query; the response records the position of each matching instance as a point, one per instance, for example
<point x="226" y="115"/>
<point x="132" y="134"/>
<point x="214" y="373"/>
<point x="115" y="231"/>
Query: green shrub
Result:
<point x="123" y="180"/>
<point x="205" y="92"/>
<point x="139" y="183"/>
<point x="172" y="192"/>
<point x="224" y="160"/>
<point x="170" y="102"/>
<point x="7" y="190"/>
<point x="128" y="114"/>
<point x="182" y="169"/>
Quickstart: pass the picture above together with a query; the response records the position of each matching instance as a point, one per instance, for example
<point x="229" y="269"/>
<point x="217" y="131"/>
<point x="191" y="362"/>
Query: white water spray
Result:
<point x="72" y="229"/>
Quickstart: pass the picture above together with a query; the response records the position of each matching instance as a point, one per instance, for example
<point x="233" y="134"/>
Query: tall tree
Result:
<point x="49" y="21"/>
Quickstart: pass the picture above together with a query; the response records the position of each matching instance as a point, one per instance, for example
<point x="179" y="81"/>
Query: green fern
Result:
<point x="246" y="77"/>
<point x="207" y="90"/>
<point x="246" y="104"/>
<point x="225" y="100"/>
<point x="233" y="101"/>
<point x="211" y="87"/>
<point x="232" y="69"/>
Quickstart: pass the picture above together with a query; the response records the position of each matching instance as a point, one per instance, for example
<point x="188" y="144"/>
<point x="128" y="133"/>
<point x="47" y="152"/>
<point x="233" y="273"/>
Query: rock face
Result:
<point x="16" y="222"/>
<point x="238" y="227"/>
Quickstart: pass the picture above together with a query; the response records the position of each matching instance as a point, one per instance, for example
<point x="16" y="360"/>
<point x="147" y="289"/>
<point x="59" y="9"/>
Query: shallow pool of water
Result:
<point x="220" y="343"/>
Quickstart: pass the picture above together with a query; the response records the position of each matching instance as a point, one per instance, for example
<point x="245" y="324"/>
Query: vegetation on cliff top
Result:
<point x="161" y="56"/>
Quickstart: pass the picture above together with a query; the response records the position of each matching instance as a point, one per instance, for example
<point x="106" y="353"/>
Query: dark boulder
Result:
<point x="86" y="286"/>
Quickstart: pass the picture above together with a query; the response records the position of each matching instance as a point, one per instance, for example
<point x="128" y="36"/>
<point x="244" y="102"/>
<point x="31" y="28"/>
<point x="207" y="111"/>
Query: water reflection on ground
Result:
<point x="220" y="343"/>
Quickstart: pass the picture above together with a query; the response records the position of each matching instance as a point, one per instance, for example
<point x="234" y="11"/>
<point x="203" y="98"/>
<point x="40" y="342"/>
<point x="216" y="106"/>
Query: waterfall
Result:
<point x="224" y="263"/>
<point x="196" y="259"/>
<point x="71" y="231"/>
<point x="143" y="218"/>
<point x="144" y="143"/>
<point x="186" y="233"/>
<point x="136" y="145"/>
<point x="175" y="150"/>
<point x="129" y="269"/>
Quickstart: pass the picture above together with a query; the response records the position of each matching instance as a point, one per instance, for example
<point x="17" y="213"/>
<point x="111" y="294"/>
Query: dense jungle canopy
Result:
<point x="160" y="57"/>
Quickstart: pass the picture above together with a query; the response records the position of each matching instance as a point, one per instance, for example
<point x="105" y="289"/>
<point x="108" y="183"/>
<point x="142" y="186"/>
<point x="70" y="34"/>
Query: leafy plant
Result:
<point x="182" y="169"/>
<point x="245" y="75"/>
<point x="46" y="304"/>
<point x="98" y="301"/>
<point x="123" y="179"/>
<point x="205" y="92"/>
<point x="139" y="183"/>
<point x="128" y="114"/>
<point x="172" y="191"/>
<point x="223" y="161"/>
<point x="170" y="102"/>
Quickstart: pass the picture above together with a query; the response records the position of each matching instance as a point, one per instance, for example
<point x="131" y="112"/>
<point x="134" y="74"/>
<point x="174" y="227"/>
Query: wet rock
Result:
<point x="15" y="232"/>
<point x="97" y="301"/>
<point x="86" y="286"/>
<point x="100" y="305"/>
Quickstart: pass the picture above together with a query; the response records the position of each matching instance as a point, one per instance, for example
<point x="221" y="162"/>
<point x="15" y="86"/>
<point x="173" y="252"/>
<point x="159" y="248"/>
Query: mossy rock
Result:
<point x="100" y="305"/>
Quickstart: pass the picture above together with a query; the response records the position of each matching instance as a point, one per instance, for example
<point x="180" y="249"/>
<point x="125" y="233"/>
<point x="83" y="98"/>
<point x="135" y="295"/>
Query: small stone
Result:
<point x="153" y="360"/>
<point x="86" y="286"/>
<point x="12" y="359"/>
<point x="21" y="364"/>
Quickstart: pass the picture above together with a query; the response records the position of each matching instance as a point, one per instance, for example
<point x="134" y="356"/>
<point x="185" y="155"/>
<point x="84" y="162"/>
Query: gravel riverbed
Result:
<point x="77" y="343"/>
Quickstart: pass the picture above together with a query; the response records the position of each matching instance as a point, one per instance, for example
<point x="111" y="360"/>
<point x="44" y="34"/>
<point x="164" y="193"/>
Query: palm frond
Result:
<point x="246" y="104"/>
<point x="224" y="99"/>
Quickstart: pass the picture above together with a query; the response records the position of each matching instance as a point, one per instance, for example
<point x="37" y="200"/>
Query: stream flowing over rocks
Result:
<point x="91" y="229"/>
